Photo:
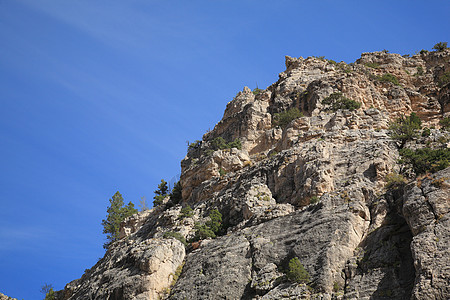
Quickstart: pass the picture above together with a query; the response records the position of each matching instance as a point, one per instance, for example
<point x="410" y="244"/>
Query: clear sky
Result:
<point x="99" y="96"/>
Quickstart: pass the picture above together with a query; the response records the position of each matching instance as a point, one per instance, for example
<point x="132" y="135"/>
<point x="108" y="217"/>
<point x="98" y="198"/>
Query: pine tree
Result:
<point x="160" y="193"/>
<point x="117" y="213"/>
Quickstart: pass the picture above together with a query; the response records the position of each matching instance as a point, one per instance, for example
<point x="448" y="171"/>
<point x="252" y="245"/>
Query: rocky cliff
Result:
<point x="311" y="187"/>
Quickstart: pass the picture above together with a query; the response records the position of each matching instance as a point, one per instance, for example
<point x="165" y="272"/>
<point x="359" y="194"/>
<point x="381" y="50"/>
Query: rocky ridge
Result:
<point x="312" y="189"/>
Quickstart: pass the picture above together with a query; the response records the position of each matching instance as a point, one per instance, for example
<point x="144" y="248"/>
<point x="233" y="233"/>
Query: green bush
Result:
<point x="426" y="160"/>
<point x="338" y="101"/>
<point x="47" y="290"/>
<point x="175" y="235"/>
<point x="389" y="78"/>
<point x="394" y="180"/>
<point x="423" y="51"/>
<point x="426" y="132"/>
<point x="444" y="79"/>
<point x="194" y="145"/>
<point x="211" y="228"/>
<point x="203" y="232"/>
<point x="282" y="119"/>
<point x="441" y="46"/>
<point x="296" y="272"/>
<point x="219" y="143"/>
<point x="445" y="123"/>
<point x="186" y="212"/>
<point x="373" y="65"/>
<point x="257" y="91"/>
<point x="405" y="129"/>
<point x="419" y="71"/>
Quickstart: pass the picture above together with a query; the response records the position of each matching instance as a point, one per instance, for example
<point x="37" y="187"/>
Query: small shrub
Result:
<point x="444" y="79"/>
<point x="211" y="228"/>
<point x="394" y="180"/>
<point x="235" y="144"/>
<point x="47" y="290"/>
<point x="419" y="71"/>
<point x="296" y="272"/>
<point x="203" y="232"/>
<point x="389" y="78"/>
<point x="373" y="65"/>
<point x="219" y="143"/>
<point x="405" y="129"/>
<point x="426" y="160"/>
<point x="313" y="200"/>
<point x="194" y="145"/>
<point x="282" y="119"/>
<point x="338" y="101"/>
<point x="441" y="46"/>
<point x="257" y="91"/>
<point x="175" y="235"/>
<point x="445" y="123"/>
<point x="336" y="287"/>
<point x="222" y="172"/>
<point x="423" y="52"/>
<point x="426" y="132"/>
<point x="186" y="212"/>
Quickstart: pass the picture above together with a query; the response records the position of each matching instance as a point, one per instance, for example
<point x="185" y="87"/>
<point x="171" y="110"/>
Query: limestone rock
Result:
<point x="313" y="189"/>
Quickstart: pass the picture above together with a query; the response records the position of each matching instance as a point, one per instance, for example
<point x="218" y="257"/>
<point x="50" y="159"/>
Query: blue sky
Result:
<point x="100" y="96"/>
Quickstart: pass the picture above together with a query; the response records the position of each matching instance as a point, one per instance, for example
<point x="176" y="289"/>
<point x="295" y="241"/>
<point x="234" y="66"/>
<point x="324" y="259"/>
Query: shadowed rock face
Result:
<point x="313" y="189"/>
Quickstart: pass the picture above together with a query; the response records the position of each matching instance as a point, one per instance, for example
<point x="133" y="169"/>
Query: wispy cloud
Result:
<point x="19" y="238"/>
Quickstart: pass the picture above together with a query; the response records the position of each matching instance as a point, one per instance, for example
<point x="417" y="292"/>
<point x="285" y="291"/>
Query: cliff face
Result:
<point x="312" y="189"/>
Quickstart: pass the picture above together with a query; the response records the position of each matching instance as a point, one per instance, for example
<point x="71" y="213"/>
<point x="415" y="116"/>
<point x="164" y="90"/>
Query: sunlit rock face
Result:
<point x="312" y="187"/>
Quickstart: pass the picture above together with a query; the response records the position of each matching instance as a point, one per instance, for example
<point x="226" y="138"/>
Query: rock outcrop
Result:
<point x="313" y="188"/>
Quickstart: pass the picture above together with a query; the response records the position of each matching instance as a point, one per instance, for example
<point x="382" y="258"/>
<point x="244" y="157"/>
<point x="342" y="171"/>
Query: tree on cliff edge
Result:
<point x="117" y="212"/>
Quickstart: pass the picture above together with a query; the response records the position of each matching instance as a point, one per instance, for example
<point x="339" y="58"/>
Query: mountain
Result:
<point x="298" y="193"/>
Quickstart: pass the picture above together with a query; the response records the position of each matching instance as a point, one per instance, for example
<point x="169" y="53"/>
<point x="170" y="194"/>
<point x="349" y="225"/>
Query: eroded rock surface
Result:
<point x="312" y="189"/>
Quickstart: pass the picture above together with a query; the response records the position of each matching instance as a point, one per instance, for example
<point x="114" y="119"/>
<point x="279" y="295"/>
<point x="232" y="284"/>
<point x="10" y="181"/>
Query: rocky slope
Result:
<point x="312" y="189"/>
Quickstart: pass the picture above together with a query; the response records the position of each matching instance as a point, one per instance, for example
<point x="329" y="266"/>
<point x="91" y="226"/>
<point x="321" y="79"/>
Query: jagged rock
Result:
<point x="130" y="270"/>
<point x="4" y="297"/>
<point x="313" y="189"/>
<point x="426" y="208"/>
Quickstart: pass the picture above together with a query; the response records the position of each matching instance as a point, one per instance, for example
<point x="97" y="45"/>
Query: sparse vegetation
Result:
<point x="296" y="272"/>
<point x="219" y="143"/>
<point x="426" y="132"/>
<point x="444" y="79"/>
<point x="222" y="172"/>
<point x="211" y="228"/>
<point x="175" y="235"/>
<point x="373" y="65"/>
<point x="394" y="180"/>
<point x="338" y="101"/>
<point x="445" y="123"/>
<point x="47" y="290"/>
<point x="405" y="129"/>
<point x="441" y="46"/>
<point x="257" y="91"/>
<point x="389" y="78"/>
<point x="313" y="200"/>
<point x="194" y="145"/>
<point x="282" y="119"/>
<point x="426" y="160"/>
<point x="117" y="213"/>
<point x="420" y="71"/>
<point x="186" y="212"/>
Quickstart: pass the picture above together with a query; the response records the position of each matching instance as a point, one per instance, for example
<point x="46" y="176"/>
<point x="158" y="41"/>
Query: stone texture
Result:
<point x="313" y="190"/>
